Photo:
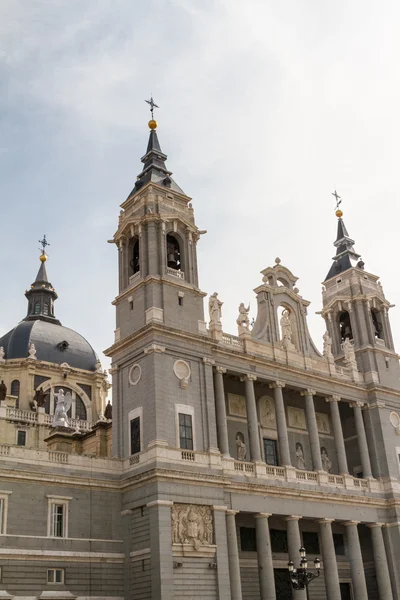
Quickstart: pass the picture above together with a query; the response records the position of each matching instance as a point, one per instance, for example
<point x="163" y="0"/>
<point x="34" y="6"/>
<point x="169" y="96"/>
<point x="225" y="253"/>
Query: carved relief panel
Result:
<point x="267" y="412"/>
<point x="237" y="405"/>
<point x="296" y="418"/>
<point x="192" y="524"/>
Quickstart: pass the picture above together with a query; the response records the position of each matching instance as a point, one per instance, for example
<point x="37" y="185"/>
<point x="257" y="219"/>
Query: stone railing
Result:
<point x="175" y="273"/>
<point x="30" y="416"/>
<point x="17" y="414"/>
<point x="134" y="277"/>
<point x="232" y="340"/>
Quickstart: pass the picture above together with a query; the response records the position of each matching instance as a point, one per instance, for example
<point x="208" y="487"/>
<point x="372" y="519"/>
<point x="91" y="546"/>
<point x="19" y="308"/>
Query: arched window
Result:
<point x="134" y="256"/>
<point x="346" y="332"/>
<point x="15" y="387"/>
<point x="37" y="308"/>
<point x="377" y="323"/>
<point x="80" y="409"/>
<point x="173" y="253"/>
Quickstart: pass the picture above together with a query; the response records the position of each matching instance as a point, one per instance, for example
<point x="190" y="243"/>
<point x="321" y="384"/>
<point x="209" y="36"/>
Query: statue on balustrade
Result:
<point x="40" y="397"/>
<point x="214" y="309"/>
<point x="326" y="461"/>
<point x="327" y="351"/>
<point x="300" y="462"/>
<point x="108" y="411"/>
<point x="3" y="390"/>
<point x="64" y="402"/>
<point x="243" y="321"/>
<point x="241" y="450"/>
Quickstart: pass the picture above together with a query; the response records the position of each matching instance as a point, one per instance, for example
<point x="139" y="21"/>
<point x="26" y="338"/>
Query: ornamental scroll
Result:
<point x="192" y="524"/>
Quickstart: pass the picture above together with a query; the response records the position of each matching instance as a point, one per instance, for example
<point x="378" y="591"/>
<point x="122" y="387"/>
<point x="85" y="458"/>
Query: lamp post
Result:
<point x="301" y="577"/>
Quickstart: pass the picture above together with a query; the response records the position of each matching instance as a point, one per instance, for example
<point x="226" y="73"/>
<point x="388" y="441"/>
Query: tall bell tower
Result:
<point x="157" y="238"/>
<point x="355" y="309"/>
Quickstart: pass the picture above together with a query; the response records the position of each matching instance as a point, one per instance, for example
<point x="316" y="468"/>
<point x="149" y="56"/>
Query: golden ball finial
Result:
<point x="42" y="258"/>
<point x="153" y="124"/>
<point x="339" y="213"/>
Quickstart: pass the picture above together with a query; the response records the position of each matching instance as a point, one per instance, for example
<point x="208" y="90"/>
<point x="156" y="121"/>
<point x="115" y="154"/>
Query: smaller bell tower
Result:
<point x="355" y="309"/>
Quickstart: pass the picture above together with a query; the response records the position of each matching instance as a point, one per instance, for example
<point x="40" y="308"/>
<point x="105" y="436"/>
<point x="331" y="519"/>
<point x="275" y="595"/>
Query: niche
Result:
<point x="173" y="253"/>
<point x="377" y="323"/>
<point x="345" y="330"/>
<point x="134" y="255"/>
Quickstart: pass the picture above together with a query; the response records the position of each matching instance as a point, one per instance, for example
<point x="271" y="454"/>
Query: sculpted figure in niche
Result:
<point x="214" y="309"/>
<point x="240" y="447"/>
<point x="63" y="405"/>
<point x="3" y="390"/>
<point x="327" y="344"/>
<point x="326" y="461"/>
<point x="243" y="321"/>
<point x="300" y="462"/>
<point x="349" y="354"/>
<point x="286" y="329"/>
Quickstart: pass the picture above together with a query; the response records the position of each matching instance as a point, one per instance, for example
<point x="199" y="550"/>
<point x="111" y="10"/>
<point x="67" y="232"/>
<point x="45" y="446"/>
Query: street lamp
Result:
<point x="301" y="577"/>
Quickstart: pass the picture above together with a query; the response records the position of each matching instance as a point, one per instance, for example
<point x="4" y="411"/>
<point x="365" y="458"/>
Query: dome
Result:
<point x="53" y="343"/>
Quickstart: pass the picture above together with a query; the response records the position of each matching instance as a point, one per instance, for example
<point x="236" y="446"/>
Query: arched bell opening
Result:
<point x="174" y="257"/>
<point x="134" y="256"/>
<point x="345" y="330"/>
<point x="377" y="323"/>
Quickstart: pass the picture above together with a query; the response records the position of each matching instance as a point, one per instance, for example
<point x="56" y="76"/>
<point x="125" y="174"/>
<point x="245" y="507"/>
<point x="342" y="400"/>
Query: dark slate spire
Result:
<point x="41" y="297"/>
<point x="154" y="167"/>
<point x="344" y="250"/>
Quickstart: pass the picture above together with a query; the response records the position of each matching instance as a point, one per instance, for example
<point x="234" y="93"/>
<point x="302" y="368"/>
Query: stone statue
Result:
<point x="243" y="321"/>
<point x="286" y="329"/>
<point x="3" y="390"/>
<point x="63" y="405"/>
<point x="192" y="524"/>
<point x="349" y="354"/>
<point x="241" y="450"/>
<point x="214" y="309"/>
<point x="327" y="351"/>
<point x="108" y="411"/>
<point x="2" y="354"/>
<point x="40" y="397"/>
<point x="326" y="461"/>
<point x="300" y="462"/>
<point x="32" y="351"/>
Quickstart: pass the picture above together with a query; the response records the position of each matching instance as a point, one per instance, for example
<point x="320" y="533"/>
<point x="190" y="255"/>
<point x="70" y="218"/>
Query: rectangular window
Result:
<point x="185" y="431"/>
<point x="57" y="520"/>
<point x="55" y="575"/>
<point x="270" y="452"/>
<point x="248" y="539"/>
<point x="311" y="542"/>
<point x="338" y="541"/>
<point x="345" y="591"/>
<point x="135" y="435"/>
<point x="21" y="438"/>
<point x="279" y="541"/>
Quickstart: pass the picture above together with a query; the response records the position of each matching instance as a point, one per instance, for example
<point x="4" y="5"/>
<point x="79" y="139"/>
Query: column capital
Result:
<point x="333" y="398"/>
<point x="357" y="404"/>
<point x="219" y="369"/>
<point x="308" y="392"/>
<point x="348" y="523"/>
<point x="218" y="508"/>
<point x="231" y="511"/>
<point x="325" y="520"/>
<point x="248" y="377"/>
<point x="372" y="525"/>
<point x="208" y="361"/>
<point x="277" y="384"/>
<point x="292" y="518"/>
<point x="159" y="503"/>
<point x="262" y="515"/>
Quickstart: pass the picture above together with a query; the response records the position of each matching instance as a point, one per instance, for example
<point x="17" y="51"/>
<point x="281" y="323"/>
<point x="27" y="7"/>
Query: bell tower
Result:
<point x="355" y="309"/>
<point x="156" y="239"/>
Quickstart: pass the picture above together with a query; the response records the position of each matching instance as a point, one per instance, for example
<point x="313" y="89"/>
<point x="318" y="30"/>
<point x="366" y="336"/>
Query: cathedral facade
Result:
<point x="224" y="454"/>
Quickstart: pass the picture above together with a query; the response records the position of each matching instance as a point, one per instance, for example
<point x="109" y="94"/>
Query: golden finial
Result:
<point x="338" y="212"/>
<point x="43" y="243"/>
<point x="43" y="258"/>
<point x="153" y="105"/>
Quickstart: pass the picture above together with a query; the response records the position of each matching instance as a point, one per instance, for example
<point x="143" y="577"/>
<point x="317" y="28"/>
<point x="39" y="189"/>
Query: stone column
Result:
<point x="330" y="572"/>
<point x="283" y="440"/>
<point x="338" y="433"/>
<point x="312" y="429"/>
<point x="264" y="557"/>
<point x="380" y="559"/>
<point x="362" y="440"/>
<point x="233" y="555"/>
<point x="356" y="561"/>
<point x="161" y="563"/>
<point x="224" y="586"/>
<point x="294" y="545"/>
<point x="220" y="408"/>
<point x="252" y="421"/>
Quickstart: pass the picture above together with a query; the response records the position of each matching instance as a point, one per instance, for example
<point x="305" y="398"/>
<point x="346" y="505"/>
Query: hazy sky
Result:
<point x="266" y="106"/>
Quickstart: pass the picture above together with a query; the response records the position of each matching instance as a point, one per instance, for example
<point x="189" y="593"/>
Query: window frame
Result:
<point x="58" y="501"/>
<point x="26" y="437"/>
<point x="275" y="445"/>
<point x="4" y="496"/>
<point x="134" y="414"/>
<point x="247" y="539"/>
<point x="184" y="409"/>
<point x="54" y="570"/>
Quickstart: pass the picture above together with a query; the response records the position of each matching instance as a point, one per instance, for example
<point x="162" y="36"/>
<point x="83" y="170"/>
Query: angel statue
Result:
<point x="64" y="402"/>
<point x="243" y="321"/>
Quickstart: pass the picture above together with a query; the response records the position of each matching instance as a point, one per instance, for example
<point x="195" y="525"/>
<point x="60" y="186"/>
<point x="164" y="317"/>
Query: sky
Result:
<point x="265" y="108"/>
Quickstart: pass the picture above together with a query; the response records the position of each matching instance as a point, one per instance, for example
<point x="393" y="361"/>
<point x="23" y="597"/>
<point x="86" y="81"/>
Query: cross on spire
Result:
<point x="337" y="198"/>
<point x="153" y="105"/>
<point x="43" y="243"/>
